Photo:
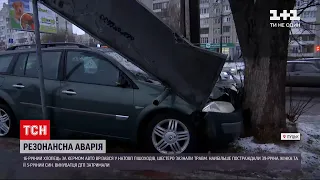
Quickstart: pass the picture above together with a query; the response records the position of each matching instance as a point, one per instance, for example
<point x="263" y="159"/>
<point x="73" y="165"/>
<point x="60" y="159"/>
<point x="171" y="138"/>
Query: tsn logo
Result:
<point x="34" y="129"/>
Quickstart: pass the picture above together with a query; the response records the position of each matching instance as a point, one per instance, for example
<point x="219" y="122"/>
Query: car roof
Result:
<point x="61" y="47"/>
<point x="308" y="59"/>
<point x="305" y="62"/>
<point x="23" y="50"/>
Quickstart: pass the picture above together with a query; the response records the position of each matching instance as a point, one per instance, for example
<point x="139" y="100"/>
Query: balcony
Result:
<point x="301" y="54"/>
<point x="204" y="15"/>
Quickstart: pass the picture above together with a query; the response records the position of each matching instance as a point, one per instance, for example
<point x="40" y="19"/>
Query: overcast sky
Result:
<point x="76" y="30"/>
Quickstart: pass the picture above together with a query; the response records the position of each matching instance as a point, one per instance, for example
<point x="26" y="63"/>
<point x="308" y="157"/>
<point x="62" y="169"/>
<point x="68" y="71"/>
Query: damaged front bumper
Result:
<point x="224" y="127"/>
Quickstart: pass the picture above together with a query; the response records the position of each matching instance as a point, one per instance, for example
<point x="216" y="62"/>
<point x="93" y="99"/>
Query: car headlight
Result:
<point x="219" y="107"/>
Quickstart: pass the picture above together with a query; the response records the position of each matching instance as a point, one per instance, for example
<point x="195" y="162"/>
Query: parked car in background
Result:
<point x="102" y="93"/>
<point x="303" y="74"/>
<point x="314" y="60"/>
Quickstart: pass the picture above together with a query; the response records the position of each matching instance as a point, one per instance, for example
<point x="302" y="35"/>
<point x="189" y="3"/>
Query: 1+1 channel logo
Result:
<point x="292" y="15"/>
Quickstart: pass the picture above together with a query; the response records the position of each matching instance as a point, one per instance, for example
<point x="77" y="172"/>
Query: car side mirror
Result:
<point x="122" y="83"/>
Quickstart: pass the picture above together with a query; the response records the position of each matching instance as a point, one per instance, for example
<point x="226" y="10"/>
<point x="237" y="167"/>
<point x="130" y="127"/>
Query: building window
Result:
<point x="226" y="29"/>
<point x="217" y="11"/>
<point x="226" y="39"/>
<point x="216" y="31"/>
<point x="204" y="40"/>
<point x="204" y="30"/>
<point x="306" y="37"/>
<point x="216" y="40"/>
<point x="308" y="14"/>
<point x="225" y="51"/>
<point x="307" y="26"/>
<point x="204" y="1"/>
<point x="226" y="8"/>
<point x="216" y="21"/>
<point x="204" y="10"/>
<point x="204" y="21"/>
<point x="226" y="19"/>
<point x="163" y="5"/>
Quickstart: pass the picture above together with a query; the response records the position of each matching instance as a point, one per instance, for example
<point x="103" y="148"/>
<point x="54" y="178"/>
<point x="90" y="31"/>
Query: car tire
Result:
<point x="7" y="118"/>
<point x="185" y="130"/>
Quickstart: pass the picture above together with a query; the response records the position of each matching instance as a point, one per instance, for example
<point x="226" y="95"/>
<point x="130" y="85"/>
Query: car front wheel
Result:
<point x="171" y="135"/>
<point x="6" y="121"/>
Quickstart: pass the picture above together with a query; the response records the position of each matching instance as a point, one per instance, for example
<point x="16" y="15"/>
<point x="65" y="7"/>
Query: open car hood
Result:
<point x="136" y="33"/>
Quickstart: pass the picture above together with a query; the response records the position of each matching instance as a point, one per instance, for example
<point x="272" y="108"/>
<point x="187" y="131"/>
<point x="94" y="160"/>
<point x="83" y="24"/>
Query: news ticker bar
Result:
<point x="153" y="161"/>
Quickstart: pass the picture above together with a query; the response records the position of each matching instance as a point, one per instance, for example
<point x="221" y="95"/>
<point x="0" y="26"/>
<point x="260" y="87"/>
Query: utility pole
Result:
<point x="183" y="17"/>
<point x="194" y="19"/>
<point x="66" y="40"/>
<point x="221" y="20"/>
<point x="39" y="59"/>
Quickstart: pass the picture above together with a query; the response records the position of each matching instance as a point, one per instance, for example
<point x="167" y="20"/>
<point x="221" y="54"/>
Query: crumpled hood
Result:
<point x="133" y="31"/>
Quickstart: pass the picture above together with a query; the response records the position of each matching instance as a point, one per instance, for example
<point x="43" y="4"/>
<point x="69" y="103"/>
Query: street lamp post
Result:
<point x="221" y="20"/>
<point x="39" y="59"/>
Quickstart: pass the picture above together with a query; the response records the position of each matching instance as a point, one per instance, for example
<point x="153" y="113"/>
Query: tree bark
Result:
<point x="264" y="50"/>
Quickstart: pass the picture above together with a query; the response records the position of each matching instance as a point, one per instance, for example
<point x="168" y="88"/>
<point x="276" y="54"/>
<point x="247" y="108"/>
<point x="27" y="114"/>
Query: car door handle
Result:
<point x="296" y="73"/>
<point x="18" y="86"/>
<point x="69" y="92"/>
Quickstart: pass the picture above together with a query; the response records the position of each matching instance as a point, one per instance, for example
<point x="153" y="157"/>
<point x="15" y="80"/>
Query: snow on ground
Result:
<point x="308" y="146"/>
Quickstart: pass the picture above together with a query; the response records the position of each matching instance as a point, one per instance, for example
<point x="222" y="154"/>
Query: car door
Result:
<point x="90" y="100"/>
<point x="23" y="84"/>
<point x="307" y="74"/>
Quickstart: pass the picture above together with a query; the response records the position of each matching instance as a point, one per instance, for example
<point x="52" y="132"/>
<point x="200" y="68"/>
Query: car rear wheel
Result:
<point x="171" y="135"/>
<point x="6" y="121"/>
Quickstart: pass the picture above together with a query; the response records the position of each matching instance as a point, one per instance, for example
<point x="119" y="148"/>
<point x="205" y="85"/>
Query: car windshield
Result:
<point x="139" y="73"/>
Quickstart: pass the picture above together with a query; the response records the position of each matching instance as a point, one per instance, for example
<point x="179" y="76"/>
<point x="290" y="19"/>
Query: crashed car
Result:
<point x="167" y="117"/>
<point x="222" y="122"/>
<point x="94" y="92"/>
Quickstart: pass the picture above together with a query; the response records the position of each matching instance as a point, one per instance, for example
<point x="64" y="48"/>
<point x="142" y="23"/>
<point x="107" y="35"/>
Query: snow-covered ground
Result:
<point x="308" y="146"/>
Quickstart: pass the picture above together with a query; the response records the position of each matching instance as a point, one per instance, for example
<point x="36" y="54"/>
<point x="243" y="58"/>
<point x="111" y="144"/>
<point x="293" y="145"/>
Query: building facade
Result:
<point x="304" y="39"/>
<point x="215" y="21"/>
<point x="217" y="28"/>
<point x="222" y="30"/>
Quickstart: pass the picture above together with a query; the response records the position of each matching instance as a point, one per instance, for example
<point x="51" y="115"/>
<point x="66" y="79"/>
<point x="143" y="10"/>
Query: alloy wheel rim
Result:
<point x="4" y="123"/>
<point x="170" y="137"/>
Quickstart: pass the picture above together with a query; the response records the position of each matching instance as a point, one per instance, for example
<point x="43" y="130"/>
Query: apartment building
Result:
<point x="304" y="39"/>
<point x="222" y="30"/>
<point x="160" y="8"/>
<point x="211" y="12"/>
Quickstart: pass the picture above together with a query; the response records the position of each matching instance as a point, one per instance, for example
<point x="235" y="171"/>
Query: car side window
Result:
<point x="307" y="68"/>
<point x="5" y="61"/>
<point x="86" y="67"/>
<point x="20" y="65"/>
<point x="27" y="65"/>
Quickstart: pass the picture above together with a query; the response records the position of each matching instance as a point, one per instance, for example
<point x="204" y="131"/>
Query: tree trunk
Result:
<point x="264" y="50"/>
